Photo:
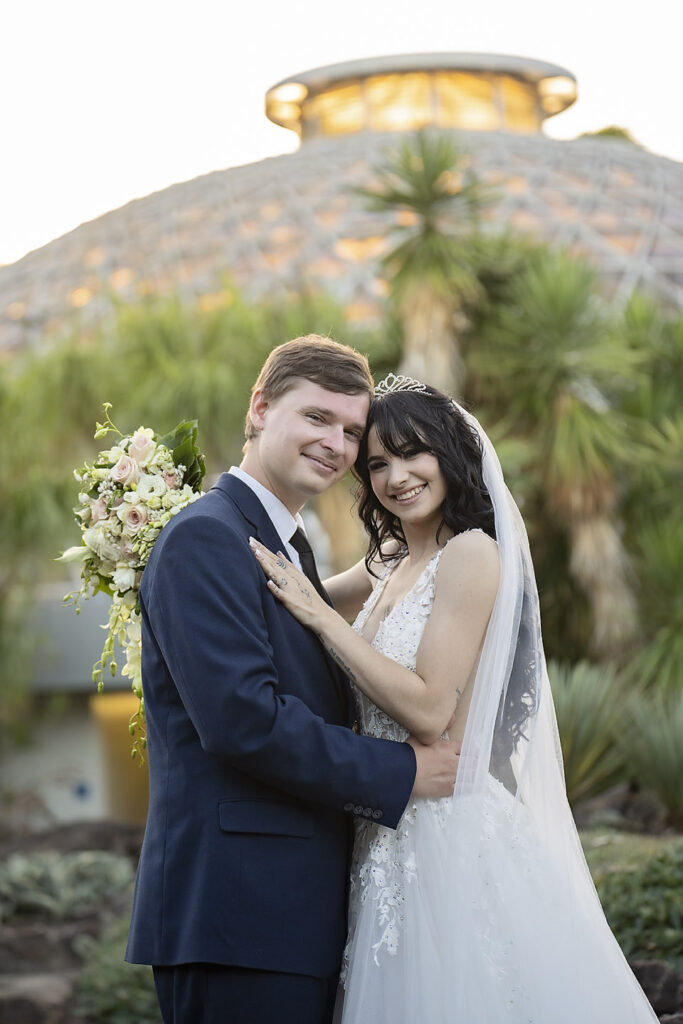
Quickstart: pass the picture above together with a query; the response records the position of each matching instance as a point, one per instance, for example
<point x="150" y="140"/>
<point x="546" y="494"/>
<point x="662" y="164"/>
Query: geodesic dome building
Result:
<point x="295" y="219"/>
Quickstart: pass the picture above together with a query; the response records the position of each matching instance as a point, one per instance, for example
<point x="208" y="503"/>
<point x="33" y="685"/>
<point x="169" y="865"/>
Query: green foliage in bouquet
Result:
<point x="182" y="443"/>
<point x="643" y="907"/>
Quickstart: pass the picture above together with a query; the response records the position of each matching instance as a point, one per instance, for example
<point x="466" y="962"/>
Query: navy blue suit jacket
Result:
<point x="254" y="771"/>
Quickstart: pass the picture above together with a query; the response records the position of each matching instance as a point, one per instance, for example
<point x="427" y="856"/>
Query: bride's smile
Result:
<point x="410" y="485"/>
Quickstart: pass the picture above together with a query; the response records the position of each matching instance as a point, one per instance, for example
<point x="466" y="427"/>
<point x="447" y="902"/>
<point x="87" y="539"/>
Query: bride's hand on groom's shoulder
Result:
<point x="437" y="766"/>
<point x="290" y="586"/>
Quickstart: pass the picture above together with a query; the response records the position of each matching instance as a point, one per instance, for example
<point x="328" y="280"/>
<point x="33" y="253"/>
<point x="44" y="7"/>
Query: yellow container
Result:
<point x="126" y="780"/>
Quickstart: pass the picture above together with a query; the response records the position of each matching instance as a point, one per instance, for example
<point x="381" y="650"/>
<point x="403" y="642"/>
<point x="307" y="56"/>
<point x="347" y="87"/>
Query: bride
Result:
<point x="478" y="909"/>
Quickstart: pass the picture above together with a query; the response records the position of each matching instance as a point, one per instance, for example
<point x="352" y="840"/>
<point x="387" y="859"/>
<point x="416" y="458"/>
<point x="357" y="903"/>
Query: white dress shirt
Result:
<point x="282" y="519"/>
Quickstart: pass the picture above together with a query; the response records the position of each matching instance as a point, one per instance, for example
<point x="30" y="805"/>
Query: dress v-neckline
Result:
<point x="379" y="590"/>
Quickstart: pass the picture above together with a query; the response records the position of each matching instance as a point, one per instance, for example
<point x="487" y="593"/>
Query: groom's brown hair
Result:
<point x="316" y="358"/>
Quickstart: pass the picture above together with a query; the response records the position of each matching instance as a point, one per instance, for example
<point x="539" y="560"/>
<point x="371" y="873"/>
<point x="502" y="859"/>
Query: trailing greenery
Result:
<point x="58" y="886"/>
<point x="643" y="907"/>
<point x="589" y="703"/>
<point x="109" y="990"/>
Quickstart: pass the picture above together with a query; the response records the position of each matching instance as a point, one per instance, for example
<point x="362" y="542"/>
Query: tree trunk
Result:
<point x="600" y="565"/>
<point x="430" y="348"/>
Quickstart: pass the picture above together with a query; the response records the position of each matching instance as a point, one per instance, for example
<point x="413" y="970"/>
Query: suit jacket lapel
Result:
<point x="255" y="514"/>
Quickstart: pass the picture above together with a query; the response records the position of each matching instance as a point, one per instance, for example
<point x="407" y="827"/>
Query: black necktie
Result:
<point x="299" y="542"/>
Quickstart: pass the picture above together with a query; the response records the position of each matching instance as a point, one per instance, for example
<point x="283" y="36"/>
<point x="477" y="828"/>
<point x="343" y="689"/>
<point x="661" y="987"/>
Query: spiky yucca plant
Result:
<point x="428" y="185"/>
<point x="550" y="351"/>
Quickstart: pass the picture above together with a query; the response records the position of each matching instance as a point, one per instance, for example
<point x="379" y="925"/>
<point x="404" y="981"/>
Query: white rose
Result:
<point x="98" y="510"/>
<point x="142" y="446"/>
<point x="101" y="544"/>
<point x="134" y="518"/>
<point x="124" y="578"/>
<point x="151" y="487"/>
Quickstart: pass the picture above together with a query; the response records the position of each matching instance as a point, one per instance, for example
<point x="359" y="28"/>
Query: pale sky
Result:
<point x="103" y="102"/>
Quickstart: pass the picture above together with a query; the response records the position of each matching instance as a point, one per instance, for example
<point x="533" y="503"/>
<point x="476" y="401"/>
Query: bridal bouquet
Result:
<point x="126" y="497"/>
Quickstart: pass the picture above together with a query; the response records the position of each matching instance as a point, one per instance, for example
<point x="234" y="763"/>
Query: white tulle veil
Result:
<point x="514" y="884"/>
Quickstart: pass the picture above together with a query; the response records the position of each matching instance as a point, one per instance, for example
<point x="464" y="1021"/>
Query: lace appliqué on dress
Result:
<point x="384" y="861"/>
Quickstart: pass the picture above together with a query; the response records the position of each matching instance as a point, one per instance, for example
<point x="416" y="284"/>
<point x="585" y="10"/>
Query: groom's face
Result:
<point x="308" y="438"/>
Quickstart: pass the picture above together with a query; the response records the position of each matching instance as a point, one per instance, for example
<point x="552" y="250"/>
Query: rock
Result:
<point x="604" y="810"/>
<point x="42" y="946"/>
<point x="112" y="836"/>
<point x="624" y="807"/>
<point x="36" y="998"/>
<point x="662" y="984"/>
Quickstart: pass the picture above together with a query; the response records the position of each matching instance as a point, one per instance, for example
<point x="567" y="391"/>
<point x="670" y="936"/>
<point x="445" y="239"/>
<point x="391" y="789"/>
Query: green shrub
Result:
<point x="589" y="703"/>
<point x="57" y="886"/>
<point x="652" y="746"/>
<point x="644" y="907"/>
<point x="110" y="991"/>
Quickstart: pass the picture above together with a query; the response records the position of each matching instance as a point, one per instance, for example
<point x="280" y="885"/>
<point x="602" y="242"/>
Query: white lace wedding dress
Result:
<point x="456" y="916"/>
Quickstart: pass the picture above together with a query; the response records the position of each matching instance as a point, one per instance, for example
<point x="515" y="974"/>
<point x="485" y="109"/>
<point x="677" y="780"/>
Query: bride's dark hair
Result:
<point x="411" y="422"/>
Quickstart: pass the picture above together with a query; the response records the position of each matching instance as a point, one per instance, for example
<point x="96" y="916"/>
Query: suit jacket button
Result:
<point x="348" y="807"/>
<point x="358" y="809"/>
<point x="367" y="812"/>
<point x="377" y="814"/>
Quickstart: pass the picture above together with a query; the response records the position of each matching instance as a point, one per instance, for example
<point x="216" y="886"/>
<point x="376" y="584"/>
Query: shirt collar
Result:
<point x="278" y="513"/>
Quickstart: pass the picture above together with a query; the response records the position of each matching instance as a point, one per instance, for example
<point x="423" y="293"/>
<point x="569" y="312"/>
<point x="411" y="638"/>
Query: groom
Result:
<point x="255" y="773"/>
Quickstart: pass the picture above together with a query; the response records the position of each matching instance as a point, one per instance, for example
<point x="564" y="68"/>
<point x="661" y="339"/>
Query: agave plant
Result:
<point x="436" y="200"/>
<point x="653" y="745"/>
<point x="660" y="549"/>
<point x="589" y="704"/>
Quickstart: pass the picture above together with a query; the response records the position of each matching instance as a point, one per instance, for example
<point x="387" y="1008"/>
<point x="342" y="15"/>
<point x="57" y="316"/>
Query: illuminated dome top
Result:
<point x="480" y="91"/>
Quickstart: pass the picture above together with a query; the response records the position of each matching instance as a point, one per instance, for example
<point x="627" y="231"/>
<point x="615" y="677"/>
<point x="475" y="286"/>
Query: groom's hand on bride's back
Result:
<point x="437" y="765"/>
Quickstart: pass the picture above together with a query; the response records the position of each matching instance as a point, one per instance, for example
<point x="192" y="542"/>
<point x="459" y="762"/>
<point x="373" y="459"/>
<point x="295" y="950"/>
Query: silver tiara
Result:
<point x="399" y="382"/>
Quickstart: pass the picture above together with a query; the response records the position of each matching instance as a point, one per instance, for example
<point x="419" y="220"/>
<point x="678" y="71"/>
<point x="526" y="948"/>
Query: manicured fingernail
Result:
<point x="252" y="542"/>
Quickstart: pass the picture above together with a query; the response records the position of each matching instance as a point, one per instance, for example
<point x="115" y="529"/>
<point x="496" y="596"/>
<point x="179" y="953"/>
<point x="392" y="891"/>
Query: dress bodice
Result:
<point x="398" y="637"/>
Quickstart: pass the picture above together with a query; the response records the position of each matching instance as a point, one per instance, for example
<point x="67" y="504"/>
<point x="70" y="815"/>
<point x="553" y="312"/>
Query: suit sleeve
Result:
<point x="204" y="604"/>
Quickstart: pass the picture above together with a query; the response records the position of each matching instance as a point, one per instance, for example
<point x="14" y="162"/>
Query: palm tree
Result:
<point x="436" y="200"/>
<point x="553" y="357"/>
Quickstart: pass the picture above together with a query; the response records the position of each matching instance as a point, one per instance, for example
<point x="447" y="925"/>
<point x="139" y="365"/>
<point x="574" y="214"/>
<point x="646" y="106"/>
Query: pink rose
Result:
<point x="134" y="519"/>
<point x="126" y="471"/>
<point x="98" y="510"/>
<point x="171" y="479"/>
<point x="142" y="447"/>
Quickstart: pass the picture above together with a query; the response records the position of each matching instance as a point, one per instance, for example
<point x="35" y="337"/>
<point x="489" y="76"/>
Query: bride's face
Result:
<point x="410" y="486"/>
